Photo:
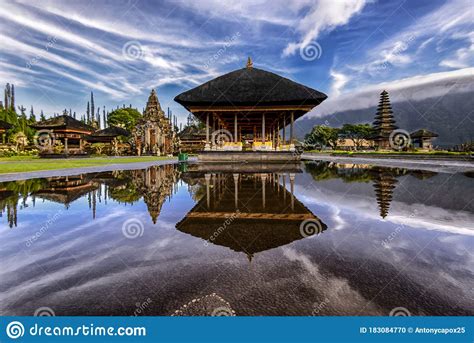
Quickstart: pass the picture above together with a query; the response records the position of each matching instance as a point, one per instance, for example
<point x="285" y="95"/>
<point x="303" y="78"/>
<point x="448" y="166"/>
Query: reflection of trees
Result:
<point x="196" y="186"/>
<point x="15" y="193"/>
<point x="384" y="179"/>
<point x="329" y="170"/>
<point x="153" y="184"/>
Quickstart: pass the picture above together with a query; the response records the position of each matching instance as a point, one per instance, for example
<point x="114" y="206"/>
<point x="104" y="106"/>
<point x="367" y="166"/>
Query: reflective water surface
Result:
<point x="315" y="239"/>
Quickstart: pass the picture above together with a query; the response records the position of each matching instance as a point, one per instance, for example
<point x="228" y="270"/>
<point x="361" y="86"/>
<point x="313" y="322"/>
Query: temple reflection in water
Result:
<point x="154" y="185"/>
<point x="384" y="179"/>
<point x="262" y="196"/>
<point x="248" y="212"/>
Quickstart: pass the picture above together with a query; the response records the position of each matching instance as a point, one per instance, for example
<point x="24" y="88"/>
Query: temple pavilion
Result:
<point x="247" y="112"/>
<point x="69" y="131"/>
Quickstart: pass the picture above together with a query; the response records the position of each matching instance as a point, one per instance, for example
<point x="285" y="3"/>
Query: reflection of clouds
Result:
<point x="337" y="219"/>
<point x="360" y="205"/>
<point x="338" y="297"/>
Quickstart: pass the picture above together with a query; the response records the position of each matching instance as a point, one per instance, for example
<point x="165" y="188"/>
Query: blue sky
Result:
<point x="56" y="52"/>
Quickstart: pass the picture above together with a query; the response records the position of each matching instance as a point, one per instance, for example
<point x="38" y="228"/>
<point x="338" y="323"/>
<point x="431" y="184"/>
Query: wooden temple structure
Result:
<point x="107" y="135"/>
<point x="423" y="139"/>
<point x="69" y="131"/>
<point x="247" y="112"/>
<point x="247" y="212"/>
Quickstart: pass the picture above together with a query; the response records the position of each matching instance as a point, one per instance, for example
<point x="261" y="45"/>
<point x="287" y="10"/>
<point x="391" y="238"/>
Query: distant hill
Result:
<point x="451" y="116"/>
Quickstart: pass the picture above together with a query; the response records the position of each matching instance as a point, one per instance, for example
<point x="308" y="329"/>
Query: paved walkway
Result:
<point x="83" y="170"/>
<point x="439" y="166"/>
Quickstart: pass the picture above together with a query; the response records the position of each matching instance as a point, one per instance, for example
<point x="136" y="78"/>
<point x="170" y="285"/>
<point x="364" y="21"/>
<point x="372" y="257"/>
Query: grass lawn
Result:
<point x="29" y="164"/>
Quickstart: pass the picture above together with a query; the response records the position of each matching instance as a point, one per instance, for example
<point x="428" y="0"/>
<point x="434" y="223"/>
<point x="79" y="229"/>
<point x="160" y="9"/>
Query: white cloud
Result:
<point x="339" y="81"/>
<point x="324" y="15"/>
<point x="417" y="87"/>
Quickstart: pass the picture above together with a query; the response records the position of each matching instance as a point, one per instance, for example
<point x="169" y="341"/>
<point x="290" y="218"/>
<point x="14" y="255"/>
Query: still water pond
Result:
<point x="315" y="239"/>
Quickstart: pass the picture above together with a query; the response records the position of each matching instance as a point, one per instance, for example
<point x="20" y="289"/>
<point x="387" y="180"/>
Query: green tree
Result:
<point x="323" y="135"/>
<point x="357" y="133"/>
<point x="124" y="117"/>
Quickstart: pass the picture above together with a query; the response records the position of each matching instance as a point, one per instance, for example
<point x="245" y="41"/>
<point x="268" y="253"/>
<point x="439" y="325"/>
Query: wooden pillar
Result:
<point x="278" y="135"/>
<point x="207" y="145"/>
<point x="235" y="128"/>
<point x="292" y="128"/>
<point x="284" y="131"/>
<point x="292" y="189"/>
<point x="66" y="145"/>
<point x="236" y="191"/>
<point x="263" y="127"/>
<point x="208" y="191"/>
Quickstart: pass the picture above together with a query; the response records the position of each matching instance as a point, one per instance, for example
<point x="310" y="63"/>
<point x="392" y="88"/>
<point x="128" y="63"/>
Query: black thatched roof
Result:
<point x="192" y="132"/>
<point x="112" y="131"/>
<point x="4" y="125"/>
<point x="250" y="87"/>
<point x="423" y="133"/>
<point x="62" y="122"/>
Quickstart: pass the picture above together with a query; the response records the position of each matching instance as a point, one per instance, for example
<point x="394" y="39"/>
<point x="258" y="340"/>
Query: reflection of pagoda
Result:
<point x="384" y="183"/>
<point x="155" y="184"/>
<point x="66" y="189"/>
<point x="248" y="213"/>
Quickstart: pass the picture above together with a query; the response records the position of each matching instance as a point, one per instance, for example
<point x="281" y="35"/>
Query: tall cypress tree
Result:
<point x="13" y="98"/>
<point x="384" y="122"/>
<point x="88" y="118"/>
<point x="92" y="106"/>
<point x="98" y="118"/>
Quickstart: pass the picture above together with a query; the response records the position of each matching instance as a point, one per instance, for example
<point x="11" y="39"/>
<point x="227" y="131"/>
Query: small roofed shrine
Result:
<point x="65" y="129"/>
<point x="249" y="212"/>
<point x="107" y="135"/>
<point x="247" y="112"/>
<point x="423" y="139"/>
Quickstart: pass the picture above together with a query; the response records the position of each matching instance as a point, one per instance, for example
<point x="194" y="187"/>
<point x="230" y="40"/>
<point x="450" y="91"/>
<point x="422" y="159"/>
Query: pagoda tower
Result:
<point x="384" y="122"/>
